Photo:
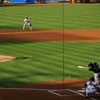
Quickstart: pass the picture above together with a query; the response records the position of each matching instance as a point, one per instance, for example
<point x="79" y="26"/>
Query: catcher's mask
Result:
<point x="91" y="79"/>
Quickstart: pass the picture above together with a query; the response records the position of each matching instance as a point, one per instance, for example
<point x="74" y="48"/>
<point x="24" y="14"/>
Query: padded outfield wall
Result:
<point x="55" y="1"/>
<point x="50" y="1"/>
<point x="34" y="1"/>
<point x="38" y="1"/>
<point x="22" y="1"/>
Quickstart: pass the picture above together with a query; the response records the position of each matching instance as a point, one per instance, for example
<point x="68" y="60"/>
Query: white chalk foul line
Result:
<point x="32" y="89"/>
<point x="27" y="89"/>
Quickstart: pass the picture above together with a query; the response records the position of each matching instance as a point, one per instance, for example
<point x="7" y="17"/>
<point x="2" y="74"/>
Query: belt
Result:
<point x="91" y="88"/>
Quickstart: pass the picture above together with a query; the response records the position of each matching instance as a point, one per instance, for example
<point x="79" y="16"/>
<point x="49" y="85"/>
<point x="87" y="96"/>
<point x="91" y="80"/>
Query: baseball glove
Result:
<point x="30" y="24"/>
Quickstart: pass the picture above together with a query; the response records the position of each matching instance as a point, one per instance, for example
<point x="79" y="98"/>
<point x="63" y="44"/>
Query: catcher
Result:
<point x="91" y="87"/>
<point x="27" y="22"/>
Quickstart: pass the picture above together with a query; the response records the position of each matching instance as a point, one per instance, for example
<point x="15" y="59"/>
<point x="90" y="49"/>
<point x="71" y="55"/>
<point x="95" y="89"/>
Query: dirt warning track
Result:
<point x="51" y="35"/>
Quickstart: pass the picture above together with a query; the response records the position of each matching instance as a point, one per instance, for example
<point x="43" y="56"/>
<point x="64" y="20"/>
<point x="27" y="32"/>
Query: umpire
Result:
<point x="95" y="68"/>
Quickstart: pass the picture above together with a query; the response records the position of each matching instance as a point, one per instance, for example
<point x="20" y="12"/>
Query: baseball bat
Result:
<point x="82" y="67"/>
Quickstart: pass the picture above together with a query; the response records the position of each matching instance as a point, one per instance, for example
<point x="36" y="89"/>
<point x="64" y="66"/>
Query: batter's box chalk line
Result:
<point x="54" y="92"/>
<point x="69" y="90"/>
<point x="58" y="94"/>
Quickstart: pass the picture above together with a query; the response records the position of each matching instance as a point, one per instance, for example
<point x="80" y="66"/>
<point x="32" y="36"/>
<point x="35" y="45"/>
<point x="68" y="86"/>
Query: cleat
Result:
<point x="86" y="96"/>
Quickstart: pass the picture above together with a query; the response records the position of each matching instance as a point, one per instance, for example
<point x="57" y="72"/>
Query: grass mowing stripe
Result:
<point x="48" y="16"/>
<point x="21" y="49"/>
<point x="88" y="52"/>
<point x="46" y="64"/>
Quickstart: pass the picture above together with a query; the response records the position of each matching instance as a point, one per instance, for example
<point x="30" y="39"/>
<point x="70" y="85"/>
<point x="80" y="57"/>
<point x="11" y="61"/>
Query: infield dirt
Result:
<point x="51" y="35"/>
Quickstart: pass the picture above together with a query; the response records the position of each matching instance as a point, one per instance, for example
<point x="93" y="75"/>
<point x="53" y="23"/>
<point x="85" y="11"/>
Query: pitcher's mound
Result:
<point x="6" y="58"/>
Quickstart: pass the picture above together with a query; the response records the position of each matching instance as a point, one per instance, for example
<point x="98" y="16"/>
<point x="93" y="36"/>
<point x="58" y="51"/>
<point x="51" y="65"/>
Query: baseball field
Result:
<point x="46" y="59"/>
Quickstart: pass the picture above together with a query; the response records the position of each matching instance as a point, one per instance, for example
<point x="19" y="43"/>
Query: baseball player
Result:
<point x="27" y="22"/>
<point x="95" y="68"/>
<point x="91" y="87"/>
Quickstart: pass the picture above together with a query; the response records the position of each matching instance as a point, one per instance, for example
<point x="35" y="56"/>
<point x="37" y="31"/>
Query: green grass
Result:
<point x="45" y="61"/>
<point x="50" y="16"/>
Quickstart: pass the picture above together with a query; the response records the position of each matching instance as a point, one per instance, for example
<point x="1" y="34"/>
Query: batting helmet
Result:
<point x="90" y="64"/>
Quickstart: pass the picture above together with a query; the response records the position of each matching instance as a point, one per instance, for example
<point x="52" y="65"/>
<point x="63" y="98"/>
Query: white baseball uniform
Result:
<point x="96" y="77"/>
<point x="27" y="22"/>
<point x="90" y="87"/>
